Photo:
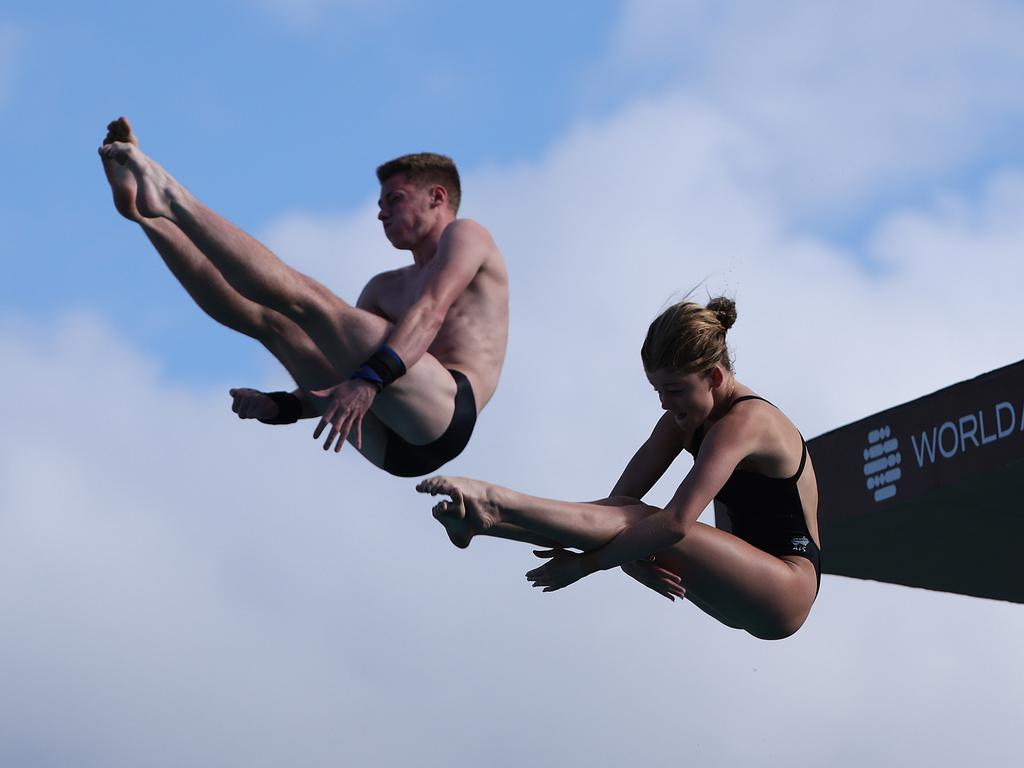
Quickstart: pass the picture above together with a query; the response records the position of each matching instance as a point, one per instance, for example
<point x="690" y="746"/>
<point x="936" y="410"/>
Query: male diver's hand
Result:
<point x="562" y="569"/>
<point x="343" y="407"/>
<point x="661" y="580"/>
<point x="252" y="404"/>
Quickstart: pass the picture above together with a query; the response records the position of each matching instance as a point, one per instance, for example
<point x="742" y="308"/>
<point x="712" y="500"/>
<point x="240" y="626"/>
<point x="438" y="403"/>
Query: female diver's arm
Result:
<point x="720" y="453"/>
<point x="651" y="460"/>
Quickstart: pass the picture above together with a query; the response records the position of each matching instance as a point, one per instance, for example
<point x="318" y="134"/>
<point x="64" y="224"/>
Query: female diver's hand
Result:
<point x="562" y="569"/>
<point x="661" y="580"/>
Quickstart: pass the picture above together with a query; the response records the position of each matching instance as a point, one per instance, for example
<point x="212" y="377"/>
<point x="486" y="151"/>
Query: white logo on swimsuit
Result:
<point x="881" y="463"/>
<point x="800" y="543"/>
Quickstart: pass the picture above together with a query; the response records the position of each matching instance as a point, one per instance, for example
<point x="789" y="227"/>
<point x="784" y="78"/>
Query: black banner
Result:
<point x="928" y="493"/>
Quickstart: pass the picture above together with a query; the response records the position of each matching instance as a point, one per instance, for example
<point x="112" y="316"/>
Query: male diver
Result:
<point x="402" y="374"/>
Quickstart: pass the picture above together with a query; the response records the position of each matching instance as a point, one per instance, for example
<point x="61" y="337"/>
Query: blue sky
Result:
<point x="276" y="106"/>
<point x="181" y="588"/>
<point x="270" y="115"/>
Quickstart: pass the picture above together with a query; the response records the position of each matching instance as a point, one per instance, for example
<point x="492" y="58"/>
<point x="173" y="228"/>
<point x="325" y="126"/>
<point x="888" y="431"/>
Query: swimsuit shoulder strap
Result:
<point x="803" y="453"/>
<point x="803" y="461"/>
<point x="751" y="397"/>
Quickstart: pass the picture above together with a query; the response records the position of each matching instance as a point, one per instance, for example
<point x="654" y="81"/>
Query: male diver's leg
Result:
<point x="208" y="288"/>
<point x="418" y="406"/>
<point x="305" y="363"/>
<point x="285" y="340"/>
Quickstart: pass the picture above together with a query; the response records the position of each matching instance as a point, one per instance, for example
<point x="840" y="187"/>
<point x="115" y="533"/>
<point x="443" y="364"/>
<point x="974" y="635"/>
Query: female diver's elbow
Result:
<point x="678" y="527"/>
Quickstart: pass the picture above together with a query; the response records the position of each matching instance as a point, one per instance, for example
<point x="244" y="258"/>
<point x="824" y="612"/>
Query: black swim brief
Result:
<point x="404" y="459"/>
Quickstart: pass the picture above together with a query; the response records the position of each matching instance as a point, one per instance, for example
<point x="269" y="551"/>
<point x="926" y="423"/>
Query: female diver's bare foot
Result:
<point x="122" y="182"/>
<point x="156" y="189"/>
<point x="471" y="511"/>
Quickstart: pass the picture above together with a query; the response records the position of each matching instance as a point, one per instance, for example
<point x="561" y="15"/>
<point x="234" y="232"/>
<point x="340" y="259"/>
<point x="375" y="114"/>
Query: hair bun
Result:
<point x="725" y="310"/>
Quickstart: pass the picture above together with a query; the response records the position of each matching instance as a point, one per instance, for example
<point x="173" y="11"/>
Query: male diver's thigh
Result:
<point x="420" y="405"/>
<point x="346" y="335"/>
<point x="374" y="440"/>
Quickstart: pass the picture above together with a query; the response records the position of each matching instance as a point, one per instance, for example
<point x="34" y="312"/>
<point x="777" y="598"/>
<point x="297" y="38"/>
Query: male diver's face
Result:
<point x="405" y="211"/>
<point x="689" y="397"/>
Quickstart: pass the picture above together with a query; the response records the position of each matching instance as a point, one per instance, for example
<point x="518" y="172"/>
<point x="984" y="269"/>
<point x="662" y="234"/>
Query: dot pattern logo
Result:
<point x="882" y="463"/>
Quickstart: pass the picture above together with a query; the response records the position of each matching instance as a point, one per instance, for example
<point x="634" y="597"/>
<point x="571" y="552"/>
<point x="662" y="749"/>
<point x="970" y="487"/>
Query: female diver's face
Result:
<point x="689" y="397"/>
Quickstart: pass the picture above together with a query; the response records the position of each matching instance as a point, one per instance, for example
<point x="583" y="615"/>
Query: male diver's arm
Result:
<point x="651" y="461"/>
<point x="461" y="252"/>
<point x="271" y="407"/>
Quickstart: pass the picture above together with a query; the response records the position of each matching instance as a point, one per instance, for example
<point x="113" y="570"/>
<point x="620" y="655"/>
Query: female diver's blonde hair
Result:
<point x="689" y="338"/>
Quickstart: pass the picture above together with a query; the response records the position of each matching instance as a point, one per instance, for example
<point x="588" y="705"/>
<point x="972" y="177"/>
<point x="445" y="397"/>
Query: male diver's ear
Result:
<point x="438" y="196"/>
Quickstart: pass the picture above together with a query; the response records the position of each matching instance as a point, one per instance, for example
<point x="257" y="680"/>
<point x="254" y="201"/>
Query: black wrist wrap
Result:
<point x="289" y="408"/>
<point x="381" y="368"/>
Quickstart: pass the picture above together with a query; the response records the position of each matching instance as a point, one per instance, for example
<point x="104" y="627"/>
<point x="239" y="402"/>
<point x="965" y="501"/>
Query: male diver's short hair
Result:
<point x="426" y="168"/>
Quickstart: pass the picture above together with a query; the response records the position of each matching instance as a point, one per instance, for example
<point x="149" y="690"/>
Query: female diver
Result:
<point x="762" y="575"/>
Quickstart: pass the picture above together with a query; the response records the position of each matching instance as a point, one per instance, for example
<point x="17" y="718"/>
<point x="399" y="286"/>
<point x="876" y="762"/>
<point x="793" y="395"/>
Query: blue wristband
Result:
<point x="381" y="368"/>
<point x="366" y="373"/>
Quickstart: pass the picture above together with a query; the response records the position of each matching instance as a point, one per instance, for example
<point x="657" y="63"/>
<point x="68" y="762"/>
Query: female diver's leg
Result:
<point x="476" y="510"/>
<point x="741" y="585"/>
<point x="728" y="578"/>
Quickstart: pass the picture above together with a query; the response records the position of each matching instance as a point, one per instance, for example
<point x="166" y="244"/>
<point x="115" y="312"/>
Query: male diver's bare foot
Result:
<point x="156" y="189"/>
<point x="122" y="182"/>
<point x="471" y="511"/>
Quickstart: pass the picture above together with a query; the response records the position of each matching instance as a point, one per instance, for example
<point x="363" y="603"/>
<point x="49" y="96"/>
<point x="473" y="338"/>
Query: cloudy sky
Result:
<point x="178" y="588"/>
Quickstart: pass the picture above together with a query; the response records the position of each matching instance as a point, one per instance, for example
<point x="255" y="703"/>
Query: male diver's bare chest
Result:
<point x="398" y="296"/>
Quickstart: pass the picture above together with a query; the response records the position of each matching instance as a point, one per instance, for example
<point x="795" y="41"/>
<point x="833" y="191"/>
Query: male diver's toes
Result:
<point x="121" y="128"/>
<point x="113" y="134"/>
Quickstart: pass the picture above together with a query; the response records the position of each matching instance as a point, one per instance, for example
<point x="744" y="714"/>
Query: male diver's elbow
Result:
<point x="430" y="316"/>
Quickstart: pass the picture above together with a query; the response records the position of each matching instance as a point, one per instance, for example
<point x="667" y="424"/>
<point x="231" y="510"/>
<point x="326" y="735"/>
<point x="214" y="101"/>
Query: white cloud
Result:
<point x="179" y="588"/>
<point x="598" y="235"/>
<point x="855" y="100"/>
<point x="343" y="251"/>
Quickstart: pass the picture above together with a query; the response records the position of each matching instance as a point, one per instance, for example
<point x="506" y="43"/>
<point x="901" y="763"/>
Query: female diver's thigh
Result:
<point x="743" y="585"/>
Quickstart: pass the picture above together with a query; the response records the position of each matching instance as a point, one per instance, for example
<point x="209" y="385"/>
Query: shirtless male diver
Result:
<point x="404" y="373"/>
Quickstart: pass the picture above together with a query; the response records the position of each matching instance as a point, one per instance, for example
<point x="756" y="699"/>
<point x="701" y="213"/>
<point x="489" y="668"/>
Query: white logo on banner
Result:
<point x="882" y="463"/>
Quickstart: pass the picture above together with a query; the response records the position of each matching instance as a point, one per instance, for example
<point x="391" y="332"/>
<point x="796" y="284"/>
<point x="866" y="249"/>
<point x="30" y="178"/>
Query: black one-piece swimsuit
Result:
<point x="766" y="511"/>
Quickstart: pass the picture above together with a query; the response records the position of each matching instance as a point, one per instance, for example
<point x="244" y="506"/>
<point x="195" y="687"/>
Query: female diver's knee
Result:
<point x="776" y="627"/>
